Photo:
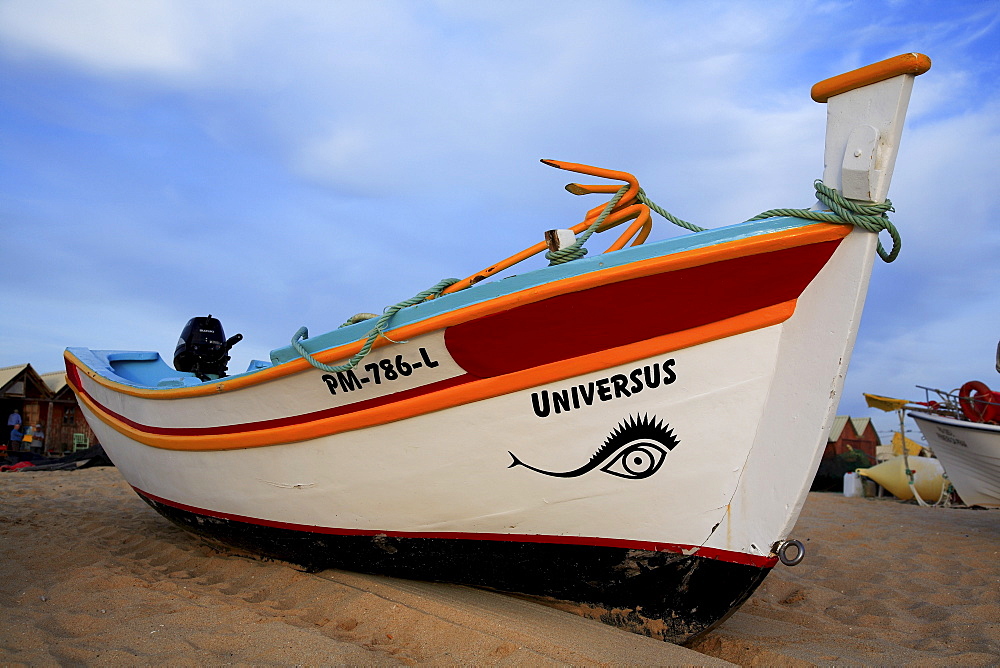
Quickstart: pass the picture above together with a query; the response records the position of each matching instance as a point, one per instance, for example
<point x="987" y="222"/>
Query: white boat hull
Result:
<point x="731" y="429"/>
<point x="970" y="454"/>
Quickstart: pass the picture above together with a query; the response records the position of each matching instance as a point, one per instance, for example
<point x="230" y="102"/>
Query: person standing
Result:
<point x="15" y="438"/>
<point x="38" y="443"/>
<point x="14" y="420"/>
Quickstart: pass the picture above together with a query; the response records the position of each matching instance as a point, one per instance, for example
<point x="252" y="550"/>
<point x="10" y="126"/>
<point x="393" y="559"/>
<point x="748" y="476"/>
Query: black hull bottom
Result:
<point x="663" y="595"/>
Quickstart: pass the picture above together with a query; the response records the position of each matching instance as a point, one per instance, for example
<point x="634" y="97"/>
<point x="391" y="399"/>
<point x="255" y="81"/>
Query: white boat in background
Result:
<point x="630" y="435"/>
<point x="963" y="430"/>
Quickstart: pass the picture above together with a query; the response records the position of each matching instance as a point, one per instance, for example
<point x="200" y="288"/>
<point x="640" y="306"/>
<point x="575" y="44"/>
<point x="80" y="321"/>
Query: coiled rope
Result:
<point x="871" y="217"/>
<point x="381" y="325"/>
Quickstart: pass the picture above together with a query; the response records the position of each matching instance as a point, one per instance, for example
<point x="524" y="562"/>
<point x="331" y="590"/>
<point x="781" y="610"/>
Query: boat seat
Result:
<point x="179" y="381"/>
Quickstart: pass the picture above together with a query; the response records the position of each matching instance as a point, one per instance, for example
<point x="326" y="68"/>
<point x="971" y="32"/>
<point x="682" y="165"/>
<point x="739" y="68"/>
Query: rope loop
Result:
<point x="381" y="326"/>
<point x="358" y="317"/>
<point x="576" y="250"/>
<point x="871" y="217"/>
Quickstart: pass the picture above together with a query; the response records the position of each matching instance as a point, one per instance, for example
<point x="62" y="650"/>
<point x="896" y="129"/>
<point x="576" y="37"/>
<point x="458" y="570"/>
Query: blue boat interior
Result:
<point x="149" y="370"/>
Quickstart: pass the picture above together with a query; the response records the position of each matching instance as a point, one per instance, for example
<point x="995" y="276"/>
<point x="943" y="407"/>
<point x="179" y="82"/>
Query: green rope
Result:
<point x="358" y="317"/>
<point x="666" y="214"/>
<point x="576" y="250"/>
<point x="378" y="330"/>
<point x="871" y="217"/>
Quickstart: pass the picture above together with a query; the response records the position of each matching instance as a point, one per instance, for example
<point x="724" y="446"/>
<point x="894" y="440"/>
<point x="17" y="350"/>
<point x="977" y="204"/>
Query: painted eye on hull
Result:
<point x="638" y="459"/>
<point x="634" y="450"/>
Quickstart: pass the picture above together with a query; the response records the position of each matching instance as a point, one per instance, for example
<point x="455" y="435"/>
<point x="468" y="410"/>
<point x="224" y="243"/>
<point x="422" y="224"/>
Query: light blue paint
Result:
<point x="148" y="370"/>
<point x="486" y="291"/>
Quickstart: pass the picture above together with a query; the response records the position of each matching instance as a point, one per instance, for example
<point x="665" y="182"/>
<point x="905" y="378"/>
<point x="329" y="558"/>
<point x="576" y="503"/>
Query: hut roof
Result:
<point x="13" y="378"/>
<point x="55" y="380"/>
<point x="837" y="429"/>
<point x="860" y="424"/>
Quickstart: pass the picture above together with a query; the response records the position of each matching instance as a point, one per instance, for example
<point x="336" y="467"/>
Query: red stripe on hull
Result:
<point x="292" y="419"/>
<point x="708" y="552"/>
<point x="618" y="314"/>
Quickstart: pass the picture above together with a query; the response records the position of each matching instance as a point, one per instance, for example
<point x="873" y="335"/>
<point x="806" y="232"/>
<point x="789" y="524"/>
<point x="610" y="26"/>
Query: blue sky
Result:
<point x="280" y="164"/>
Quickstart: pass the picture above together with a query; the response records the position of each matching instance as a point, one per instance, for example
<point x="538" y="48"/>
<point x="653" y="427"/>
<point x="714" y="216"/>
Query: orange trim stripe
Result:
<point x="474" y="390"/>
<point x="764" y="243"/>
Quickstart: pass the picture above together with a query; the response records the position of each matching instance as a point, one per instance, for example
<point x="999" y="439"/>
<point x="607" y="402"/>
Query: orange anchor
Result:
<point x="628" y="208"/>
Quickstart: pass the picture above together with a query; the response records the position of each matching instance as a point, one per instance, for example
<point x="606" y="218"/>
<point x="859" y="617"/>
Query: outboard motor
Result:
<point x="203" y="348"/>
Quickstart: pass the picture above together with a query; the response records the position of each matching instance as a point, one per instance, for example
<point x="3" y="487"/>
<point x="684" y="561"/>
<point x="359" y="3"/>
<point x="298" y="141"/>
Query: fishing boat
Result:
<point x="963" y="430"/>
<point x="629" y="435"/>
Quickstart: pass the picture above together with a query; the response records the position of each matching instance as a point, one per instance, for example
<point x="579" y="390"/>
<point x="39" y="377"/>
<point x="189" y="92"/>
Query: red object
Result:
<point x="15" y="467"/>
<point x="568" y="325"/>
<point x="979" y="404"/>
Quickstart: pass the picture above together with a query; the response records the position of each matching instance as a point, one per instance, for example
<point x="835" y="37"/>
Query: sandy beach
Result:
<point x="89" y="574"/>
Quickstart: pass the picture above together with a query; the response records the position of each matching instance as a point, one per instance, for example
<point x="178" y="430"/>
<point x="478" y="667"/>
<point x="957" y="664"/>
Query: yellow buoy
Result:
<point x="928" y="477"/>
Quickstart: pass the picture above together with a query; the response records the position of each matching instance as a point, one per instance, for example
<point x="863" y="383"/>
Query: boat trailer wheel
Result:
<point x="781" y="549"/>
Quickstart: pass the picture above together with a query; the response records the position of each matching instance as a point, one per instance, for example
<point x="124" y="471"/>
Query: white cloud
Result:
<point x="115" y="36"/>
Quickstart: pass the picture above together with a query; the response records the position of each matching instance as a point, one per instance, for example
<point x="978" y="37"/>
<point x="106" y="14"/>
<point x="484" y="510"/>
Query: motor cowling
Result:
<point x="203" y="348"/>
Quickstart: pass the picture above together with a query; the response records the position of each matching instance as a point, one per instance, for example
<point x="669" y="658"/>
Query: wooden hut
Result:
<point x="46" y="400"/>
<point x="849" y="434"/>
